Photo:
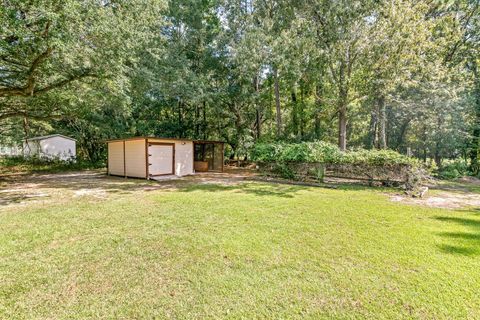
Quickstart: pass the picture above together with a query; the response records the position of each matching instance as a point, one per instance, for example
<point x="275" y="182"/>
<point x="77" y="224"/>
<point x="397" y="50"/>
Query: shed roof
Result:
<point x="164" y="138"/>
<point x="50" y="136"/>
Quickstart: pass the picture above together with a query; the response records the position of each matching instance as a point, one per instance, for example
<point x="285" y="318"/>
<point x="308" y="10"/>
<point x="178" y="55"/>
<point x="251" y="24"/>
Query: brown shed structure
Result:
<point x="150" y="157"/>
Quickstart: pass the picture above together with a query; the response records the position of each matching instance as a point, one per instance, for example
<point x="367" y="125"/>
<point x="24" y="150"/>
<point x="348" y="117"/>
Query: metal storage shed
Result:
<point x="149" y="157"/>
<point x="54" y="146"/>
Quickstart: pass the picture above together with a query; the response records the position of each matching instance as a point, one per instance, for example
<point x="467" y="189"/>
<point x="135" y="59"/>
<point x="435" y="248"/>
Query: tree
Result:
<point x="46" y="46"/>
<point x="398" y="74"/>
<point x="342" y="32"/>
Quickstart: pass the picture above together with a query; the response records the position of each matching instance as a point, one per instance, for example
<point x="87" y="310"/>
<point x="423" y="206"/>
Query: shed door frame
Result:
<point x="214" y="145"/>
<point x="148" y="144"/>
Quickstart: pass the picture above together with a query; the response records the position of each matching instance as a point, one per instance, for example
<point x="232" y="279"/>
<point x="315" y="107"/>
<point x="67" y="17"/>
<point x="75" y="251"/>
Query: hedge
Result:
<point x="314" y="160"/>
<point x="327" y="153"/>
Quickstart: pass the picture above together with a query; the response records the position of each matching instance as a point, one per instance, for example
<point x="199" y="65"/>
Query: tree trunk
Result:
<point x="342" y="128"/>
<point x="26" y="127"/>
<point x="372" y="132"/>
<point x="26" y="130"/>
<point x="318" y="110"/>
<point x="437" y="156"/>
<point x="382" y="132"/>
<point x="295" y="123"/>
<point x="342" y="118"/>
<point x="425" y="149"/>
<point x="258" y="116"/>
<point x="239" y="132"/>
<point x="180" y="120"/>
<point x="197" y="121"/>
<point x="342" y="106"/>
<point x="233" y="146"/>
<point x="475" y="142"/>
<point x="301" y="118"/>
<point x="258" y="120"/>
<point x="204" y="120"/>
<point x="439" y="141"/>
<point x="317" y="126"/>
<point x="402" y="133"/>
<point x="277" y="104"/>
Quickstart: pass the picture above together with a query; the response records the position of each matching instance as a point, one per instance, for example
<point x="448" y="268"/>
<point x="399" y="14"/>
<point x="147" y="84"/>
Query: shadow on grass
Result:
<point x="19" y="197"/>
<point x="275" y="187"/>
<point x="463" y="221"/>
<point x="461" y="235"/>
<point x="363" y="187"/>
<point x="278" y="190"/>
<point x="465" y="251"/>
<point x="462" y="243"/>
<point x="463" y="187"/>
<point x="474" y="210"/>
<point x="19" y="188"/>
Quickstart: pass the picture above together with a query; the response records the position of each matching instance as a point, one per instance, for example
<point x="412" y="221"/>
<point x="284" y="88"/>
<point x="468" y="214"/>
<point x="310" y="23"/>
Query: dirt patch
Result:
<point x="469" y="180"/>
<point x="447" y="194"/>
<point x="56" y="187"/>
<point x="22" y="189"/>
<point x="95" y="192"/>
<point x="230" y="176"/>
<point x="447" y="200"/>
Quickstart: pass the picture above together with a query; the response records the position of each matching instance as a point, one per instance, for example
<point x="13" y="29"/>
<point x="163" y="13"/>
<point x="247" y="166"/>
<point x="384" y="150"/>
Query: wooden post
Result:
<point x="108" y="171"/>
<point x="146" y="160"/>
<point x="124" y="164"/>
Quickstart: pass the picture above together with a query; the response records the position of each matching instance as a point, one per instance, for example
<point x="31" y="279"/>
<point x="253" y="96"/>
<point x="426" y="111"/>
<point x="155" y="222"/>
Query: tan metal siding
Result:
<point x="115" y="158"/>
<point x="135" y="158"/>
<point x="183" y="158"/>
<point x="183" y="155"/>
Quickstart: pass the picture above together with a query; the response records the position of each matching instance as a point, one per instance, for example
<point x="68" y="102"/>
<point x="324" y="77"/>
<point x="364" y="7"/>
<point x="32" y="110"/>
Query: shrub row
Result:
<point x="314" y="160"/>
<point x="37" y="164"/>
<point x="327" y="153"/>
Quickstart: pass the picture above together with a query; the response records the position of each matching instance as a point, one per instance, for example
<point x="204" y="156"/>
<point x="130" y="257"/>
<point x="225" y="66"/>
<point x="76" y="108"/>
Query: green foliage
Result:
<point x="317" y="151"/>
<point x="297" y="161"/>
<point x="453" y="169"/>
<point x="266" y="152"/>
<point x="327" y="153"/>
<point x="318" y="173"/>
<point x="68" y="65"/>
<point x="283" y="170"/>
<point x="35" y="164"/>
<point x="377" y="158"/>
<point x="405" y="74"/>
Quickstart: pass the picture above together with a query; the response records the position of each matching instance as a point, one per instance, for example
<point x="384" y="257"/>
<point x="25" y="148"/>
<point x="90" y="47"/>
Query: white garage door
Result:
<point x="160" y="159"/>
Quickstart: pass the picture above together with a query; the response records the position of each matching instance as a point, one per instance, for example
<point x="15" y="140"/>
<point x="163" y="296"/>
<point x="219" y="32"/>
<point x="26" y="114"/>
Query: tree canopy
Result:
<point x="396" y="74"/>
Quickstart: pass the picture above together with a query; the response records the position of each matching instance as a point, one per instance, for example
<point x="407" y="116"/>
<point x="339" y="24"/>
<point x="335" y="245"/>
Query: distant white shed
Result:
<point x="10" y="150"/>
<point x="55" y="146"/>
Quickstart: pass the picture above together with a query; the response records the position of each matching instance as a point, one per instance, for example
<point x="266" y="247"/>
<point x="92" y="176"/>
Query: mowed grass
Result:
<point x="247" y="251"/>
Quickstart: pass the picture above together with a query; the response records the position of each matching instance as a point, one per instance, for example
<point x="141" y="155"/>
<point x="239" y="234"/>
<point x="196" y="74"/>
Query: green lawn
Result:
<point x="247" y="251"/>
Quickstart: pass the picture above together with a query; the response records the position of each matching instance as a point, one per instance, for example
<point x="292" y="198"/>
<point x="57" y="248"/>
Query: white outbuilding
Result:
<point x="54" y="146"/>
<point x="150" y="157"/>
<point x="10" y="150"/>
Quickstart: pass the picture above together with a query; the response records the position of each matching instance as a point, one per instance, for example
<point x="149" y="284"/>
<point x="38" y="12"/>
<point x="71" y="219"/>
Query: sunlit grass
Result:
<point x="249" y="251"/>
